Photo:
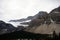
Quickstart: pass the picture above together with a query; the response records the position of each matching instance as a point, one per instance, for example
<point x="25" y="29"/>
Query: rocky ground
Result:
<point x="45" y="29"/>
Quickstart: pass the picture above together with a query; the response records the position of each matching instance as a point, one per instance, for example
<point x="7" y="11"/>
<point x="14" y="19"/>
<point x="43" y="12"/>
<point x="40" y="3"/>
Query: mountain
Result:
<point x="30" y="17"/>
<point x="23" y="19"/>
<point x="40" y="18"/>
<point x="20" y="28"/>
<point x="55" y="14"/>
<point x="40" y="32"/>
<point x="19" y="20"/>
<point x="41" y="14"/>
<point x="25" y="23"/>
<point x="6" y="27"/>
<point x="42" y="22"/>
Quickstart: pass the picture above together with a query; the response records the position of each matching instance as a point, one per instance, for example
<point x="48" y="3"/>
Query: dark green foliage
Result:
<point x="23" y="34"/>
<point x="28" y="35"/>
<point x="55" y="36"/>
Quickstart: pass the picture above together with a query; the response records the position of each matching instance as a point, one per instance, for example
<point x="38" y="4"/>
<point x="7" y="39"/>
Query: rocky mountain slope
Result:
<point x="51" y="22"/>
<point x="45" y="29"/>
<point x="6" y="27"/>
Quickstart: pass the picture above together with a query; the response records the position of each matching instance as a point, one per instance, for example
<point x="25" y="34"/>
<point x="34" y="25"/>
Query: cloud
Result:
<point x="16" y="9"/>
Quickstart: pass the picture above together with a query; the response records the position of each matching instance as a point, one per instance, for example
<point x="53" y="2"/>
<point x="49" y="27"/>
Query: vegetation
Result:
<point x="27" y="35"/>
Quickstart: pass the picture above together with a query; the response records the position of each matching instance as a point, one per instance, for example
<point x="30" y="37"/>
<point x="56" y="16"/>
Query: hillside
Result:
<point x="47" y="22"/>
<point x="45" y="29"/>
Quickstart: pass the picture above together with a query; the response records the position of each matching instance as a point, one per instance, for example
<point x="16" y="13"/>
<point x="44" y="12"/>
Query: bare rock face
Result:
<point x="55" y="15"/>
<point x="40" y="18"/>
<point x="36" y="22"/>
<point x="41" y="14"/>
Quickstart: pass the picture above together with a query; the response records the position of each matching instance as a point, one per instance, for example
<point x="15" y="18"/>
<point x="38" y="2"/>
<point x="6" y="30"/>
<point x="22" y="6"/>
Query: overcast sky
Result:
<point x="17" y="9"/>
